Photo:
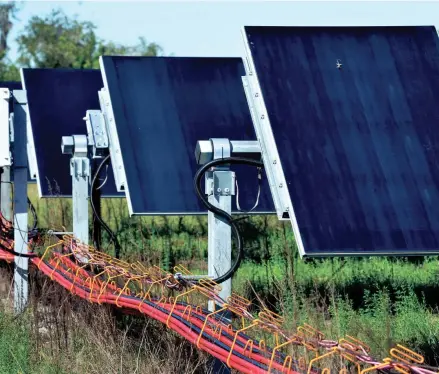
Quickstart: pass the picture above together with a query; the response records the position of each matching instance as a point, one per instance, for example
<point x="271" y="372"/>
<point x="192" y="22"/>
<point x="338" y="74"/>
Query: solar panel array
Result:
<point x="346" y="119"/>
<point x="161" y="107"/>
<point x="57" y="102"/>
<point x="354" y="119"/>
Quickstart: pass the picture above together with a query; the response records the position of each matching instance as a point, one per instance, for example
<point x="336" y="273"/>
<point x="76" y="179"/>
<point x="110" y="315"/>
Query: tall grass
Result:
<point x="378" y="300"/>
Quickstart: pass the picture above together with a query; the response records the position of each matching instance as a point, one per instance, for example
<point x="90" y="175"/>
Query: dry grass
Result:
<point x="61" y="333"/>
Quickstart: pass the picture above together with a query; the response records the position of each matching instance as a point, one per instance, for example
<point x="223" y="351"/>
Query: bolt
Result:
<point x="218" y="190"/>
<point x="226" y="190"/>
<point x="262" y="117"/>
<point x="274" y="162"/>
<point x="281" y="185"/>
<point x="256" y="95"/>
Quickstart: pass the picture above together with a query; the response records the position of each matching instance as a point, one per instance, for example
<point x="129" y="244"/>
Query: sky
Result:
<point x="207" y="28"/>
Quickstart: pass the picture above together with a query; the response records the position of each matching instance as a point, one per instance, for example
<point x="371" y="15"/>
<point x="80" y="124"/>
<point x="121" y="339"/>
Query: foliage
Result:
<point x="8" y="11"/>
<point x="55" y="41"/>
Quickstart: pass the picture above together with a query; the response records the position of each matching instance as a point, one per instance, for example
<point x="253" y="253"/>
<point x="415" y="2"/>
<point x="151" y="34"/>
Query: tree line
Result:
<point x="56" y="40"/>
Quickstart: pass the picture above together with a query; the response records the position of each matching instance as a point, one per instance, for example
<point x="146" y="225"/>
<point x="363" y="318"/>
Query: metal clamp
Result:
<point x="204" y="150"/>
<point x="97" y="133"/>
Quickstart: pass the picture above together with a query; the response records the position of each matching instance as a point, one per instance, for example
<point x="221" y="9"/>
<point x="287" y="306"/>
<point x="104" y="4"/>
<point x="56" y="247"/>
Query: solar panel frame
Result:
<point x="264" y="129"/>
<point x="108" y="101"/>
<point x="10" y="86"/>
<point x="109" y="190"/>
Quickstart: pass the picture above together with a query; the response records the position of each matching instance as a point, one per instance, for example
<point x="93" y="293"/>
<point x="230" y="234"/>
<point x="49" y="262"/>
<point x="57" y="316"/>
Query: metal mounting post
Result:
<point x="98" y="143"/>
<point x="76" y="146"/>
<point x="220" y="187"/>
<point x="21" y="288"/>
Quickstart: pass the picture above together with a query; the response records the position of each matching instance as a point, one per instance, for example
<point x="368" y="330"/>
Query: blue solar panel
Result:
<point x="58" y="100"/>
<point x="354" y="114"/>
<point x="162" y="106"/>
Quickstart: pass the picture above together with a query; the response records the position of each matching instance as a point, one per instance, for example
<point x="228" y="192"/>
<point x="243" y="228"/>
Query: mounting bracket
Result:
<point x="220" y="187"/>
<point x="77" y="146"/>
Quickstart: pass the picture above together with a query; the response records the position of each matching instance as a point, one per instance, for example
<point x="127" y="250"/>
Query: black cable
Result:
<point x="221" y="213"/>
<point x="113" y="237"/>
<point x="28" y="255"/>
<point x="34" y="214"/>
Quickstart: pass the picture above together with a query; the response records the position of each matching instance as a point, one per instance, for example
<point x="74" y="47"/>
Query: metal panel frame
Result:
<point x="270" y="154"/>
<point x="30" y="145"/>
<point x="5" y="154"/>
<point x="114" y="144"/>
<point x="31" y="153"/>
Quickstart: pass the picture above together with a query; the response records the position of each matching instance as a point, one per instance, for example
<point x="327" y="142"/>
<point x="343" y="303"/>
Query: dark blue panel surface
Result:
<point x="359" y="145"/>
<point x="58" y="100"/>
<point x="162" y="107"/>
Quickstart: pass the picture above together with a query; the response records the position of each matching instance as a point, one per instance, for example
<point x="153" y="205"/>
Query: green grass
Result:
<point x="14" y="344"/>
<point x="379" y="300"/>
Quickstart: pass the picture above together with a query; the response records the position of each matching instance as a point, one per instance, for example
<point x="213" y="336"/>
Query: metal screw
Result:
<point x="226" y="190"/>
<point x="218" y="190"/>
<point x="281" y="185"/>
<point x="99" y="144"/>
<point x="256" y="95"/>
<point x="117" y="151"/>
<point x="274" y="162"/>
<point x="120" y="167"/>
<point x="262" y="117"/>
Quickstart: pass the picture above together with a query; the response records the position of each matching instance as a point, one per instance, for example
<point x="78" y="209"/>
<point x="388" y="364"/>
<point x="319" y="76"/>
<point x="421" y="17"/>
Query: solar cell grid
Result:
<point x="161" y="107"/>
<point x="354" y="116"/>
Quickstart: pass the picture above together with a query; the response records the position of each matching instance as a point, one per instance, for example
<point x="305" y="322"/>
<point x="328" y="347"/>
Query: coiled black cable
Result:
<point x="113" y="237"/>
<point x="221" y="213"/>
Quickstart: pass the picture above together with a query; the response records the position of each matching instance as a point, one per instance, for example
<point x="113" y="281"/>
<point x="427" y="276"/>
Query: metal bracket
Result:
<point x="97" y="133"/>
<point x="239" y="148"/>
<point x="220" y="183"/>
<point x="273" y="169"/>
<point x="77" y="146"/>
<point x="113" y="141"/>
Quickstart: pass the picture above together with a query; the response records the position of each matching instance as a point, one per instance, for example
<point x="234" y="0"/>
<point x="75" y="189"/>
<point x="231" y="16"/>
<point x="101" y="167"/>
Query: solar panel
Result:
<point x="352" y="115"/>
<point x="58" y="100"/>
<point x="161" y="107"/>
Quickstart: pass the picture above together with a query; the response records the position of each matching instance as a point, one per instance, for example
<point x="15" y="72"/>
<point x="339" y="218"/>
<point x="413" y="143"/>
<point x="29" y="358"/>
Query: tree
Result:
<point x="143" y="48"/>
<point x="8" y="11"/>
<point x="57" y="41"/>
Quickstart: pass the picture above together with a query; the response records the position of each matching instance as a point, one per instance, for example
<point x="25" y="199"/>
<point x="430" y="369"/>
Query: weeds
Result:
<point x="378" y="300"/>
